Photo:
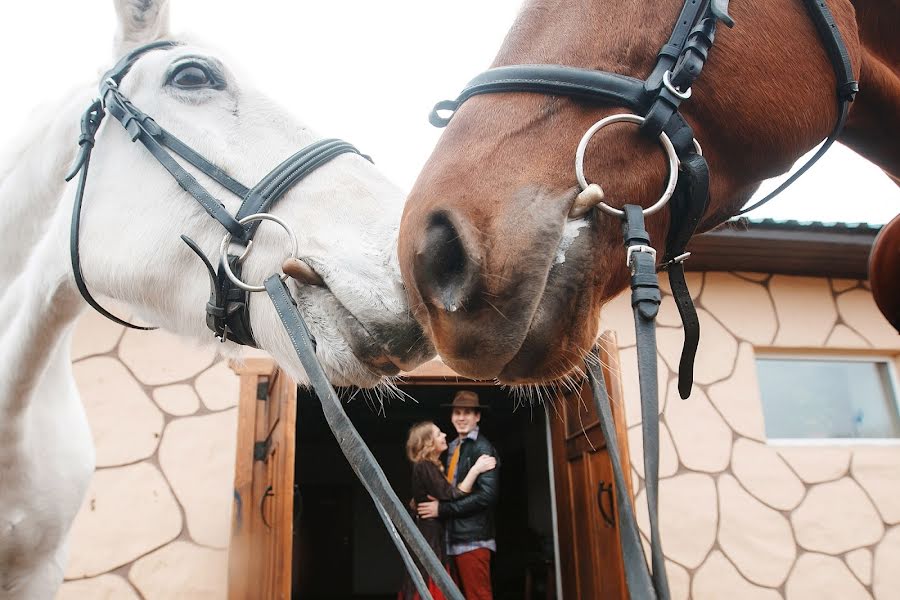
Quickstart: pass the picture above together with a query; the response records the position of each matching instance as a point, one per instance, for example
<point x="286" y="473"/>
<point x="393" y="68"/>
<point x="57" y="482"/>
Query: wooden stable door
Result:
<point x="591" y="557"/>
<point x="260" y="560"/>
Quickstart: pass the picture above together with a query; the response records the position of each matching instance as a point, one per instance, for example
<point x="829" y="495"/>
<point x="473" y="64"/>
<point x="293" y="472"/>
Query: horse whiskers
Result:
<point x="390" y="386"/>
<point x="499" y="312"/>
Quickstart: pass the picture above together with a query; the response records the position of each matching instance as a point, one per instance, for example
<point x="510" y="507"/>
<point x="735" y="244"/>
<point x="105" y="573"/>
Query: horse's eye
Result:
<point x="190" y="77"/>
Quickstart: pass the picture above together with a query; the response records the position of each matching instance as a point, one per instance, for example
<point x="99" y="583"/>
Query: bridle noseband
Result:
<point x="227" y="311"/>
<point x="655" y="103"/>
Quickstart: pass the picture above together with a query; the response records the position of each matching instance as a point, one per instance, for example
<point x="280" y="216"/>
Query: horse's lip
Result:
<point x="521" y="367"/>
<point x="353" y="331"/>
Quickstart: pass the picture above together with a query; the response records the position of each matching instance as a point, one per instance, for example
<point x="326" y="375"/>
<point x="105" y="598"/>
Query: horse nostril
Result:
<point x="446" y="268"/>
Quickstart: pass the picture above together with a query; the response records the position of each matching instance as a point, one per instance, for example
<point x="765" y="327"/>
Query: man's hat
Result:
<point x="466" y="399"/>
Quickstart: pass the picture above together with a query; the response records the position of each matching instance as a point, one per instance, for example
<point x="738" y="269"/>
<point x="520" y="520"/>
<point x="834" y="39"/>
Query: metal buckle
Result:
<point x="667" y="81"/>
<point x="678" y="259"/>
<point x="629" y="257"/>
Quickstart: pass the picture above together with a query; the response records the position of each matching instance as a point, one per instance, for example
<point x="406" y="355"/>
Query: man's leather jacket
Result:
<point x="471" y="518"/>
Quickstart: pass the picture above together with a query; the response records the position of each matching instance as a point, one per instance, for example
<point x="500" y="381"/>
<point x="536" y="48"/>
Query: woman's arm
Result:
<point x="484" y="464"/>
<point x="433" y="482"/>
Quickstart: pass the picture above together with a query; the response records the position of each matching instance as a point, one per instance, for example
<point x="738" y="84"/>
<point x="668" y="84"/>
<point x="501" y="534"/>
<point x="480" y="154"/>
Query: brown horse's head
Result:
<point x="505" y="282"/>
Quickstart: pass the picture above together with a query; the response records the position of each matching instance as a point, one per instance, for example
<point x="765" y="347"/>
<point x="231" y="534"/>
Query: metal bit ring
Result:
<point x="223" y="250"/>
<point x="663" y="139"/>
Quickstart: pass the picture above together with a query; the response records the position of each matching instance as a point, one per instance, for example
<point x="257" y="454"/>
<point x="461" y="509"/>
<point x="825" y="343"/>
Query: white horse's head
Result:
<point x="345" y="215"/>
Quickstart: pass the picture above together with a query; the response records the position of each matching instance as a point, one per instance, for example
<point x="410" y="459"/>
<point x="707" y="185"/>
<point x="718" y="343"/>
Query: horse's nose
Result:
<point x="447" y="262"/>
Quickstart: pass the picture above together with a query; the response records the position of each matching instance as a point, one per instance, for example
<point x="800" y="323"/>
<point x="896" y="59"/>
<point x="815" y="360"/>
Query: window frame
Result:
<point x="893" y="380"/>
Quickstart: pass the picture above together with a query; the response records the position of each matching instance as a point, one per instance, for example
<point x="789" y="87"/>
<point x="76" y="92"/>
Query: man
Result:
<point x="470" y="519"/>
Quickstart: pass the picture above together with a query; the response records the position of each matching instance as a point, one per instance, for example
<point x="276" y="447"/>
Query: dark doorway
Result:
<point x="341" y="549"/>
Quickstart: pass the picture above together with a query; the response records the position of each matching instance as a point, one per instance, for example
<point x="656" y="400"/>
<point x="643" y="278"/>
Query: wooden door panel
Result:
<point x="262" y="525"/>
<point x="590" y="551"/>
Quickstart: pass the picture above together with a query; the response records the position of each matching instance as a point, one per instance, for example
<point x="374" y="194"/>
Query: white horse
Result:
<point x="345" y="215"/>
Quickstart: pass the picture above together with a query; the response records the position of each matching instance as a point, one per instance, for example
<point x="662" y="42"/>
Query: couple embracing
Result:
<point x="455" y="498"/>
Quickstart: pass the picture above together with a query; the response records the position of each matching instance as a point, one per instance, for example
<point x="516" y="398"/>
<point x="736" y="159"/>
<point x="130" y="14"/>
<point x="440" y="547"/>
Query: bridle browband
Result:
<point x="228" y="307"/>
<point x="655" y="103"/>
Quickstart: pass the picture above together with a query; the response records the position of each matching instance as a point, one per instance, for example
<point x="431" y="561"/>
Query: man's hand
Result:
<point x="428" y="510"/>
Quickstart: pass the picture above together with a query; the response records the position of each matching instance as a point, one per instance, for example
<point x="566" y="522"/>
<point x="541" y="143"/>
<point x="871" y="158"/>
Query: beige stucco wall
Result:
<point x="743" y="518"/>
<point x="740" y="518"/>
<point x="157" y="516"/>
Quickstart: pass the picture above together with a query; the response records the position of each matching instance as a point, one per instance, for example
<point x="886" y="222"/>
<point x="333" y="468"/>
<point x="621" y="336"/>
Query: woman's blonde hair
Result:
<point x="420" y="444"/>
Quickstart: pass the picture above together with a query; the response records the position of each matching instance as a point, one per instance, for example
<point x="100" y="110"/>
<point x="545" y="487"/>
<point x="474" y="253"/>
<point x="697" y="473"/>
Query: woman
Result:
<point x="424" y="446"/>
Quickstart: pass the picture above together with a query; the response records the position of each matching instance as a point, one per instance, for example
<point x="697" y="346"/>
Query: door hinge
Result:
<point x="262" y="390"/>
<point x="261" y="449"/>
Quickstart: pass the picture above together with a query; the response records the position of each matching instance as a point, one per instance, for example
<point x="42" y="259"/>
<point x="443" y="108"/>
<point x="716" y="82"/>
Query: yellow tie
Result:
<point x="451" y="471"/>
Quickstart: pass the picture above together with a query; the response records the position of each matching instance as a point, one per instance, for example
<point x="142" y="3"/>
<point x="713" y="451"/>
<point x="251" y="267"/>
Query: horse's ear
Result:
<point x="140" y="22"/>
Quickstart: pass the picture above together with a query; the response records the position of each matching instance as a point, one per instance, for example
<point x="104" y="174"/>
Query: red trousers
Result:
<point x="473" y="570"/>
<point x="435" y="591"/>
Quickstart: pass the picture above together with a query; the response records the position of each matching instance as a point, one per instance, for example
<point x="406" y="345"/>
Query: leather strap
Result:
<point x="637" y="574"/>
<point x="554" y="80"/>
<point x="674" y="47"/>
<point x="686" y="209"/>
<point x="645" y="300"/>
<point x="847" y="87"/>
<point x="144" y="129"/>
<point x="90" y="122"/>
<point x="280" y="179"/>
<point x="354" y="448"/>
<point x="844" y="108"/>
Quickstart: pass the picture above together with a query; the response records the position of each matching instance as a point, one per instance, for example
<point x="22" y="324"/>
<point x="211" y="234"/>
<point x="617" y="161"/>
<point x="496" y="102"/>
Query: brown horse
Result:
<point x="506" y="282"/>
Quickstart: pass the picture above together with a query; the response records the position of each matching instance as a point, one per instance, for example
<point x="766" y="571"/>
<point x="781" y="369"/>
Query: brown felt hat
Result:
<point x="466" y="399"/>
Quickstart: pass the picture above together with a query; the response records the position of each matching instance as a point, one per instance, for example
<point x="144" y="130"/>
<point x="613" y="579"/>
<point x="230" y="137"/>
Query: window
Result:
<point x="824" y="398"/>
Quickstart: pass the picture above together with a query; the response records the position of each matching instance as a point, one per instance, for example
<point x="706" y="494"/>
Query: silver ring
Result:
<point x="663" y="139"/>
<point x="223" y="250"/>
<point x="667" y="81"/>
<point x="245" y="253"/>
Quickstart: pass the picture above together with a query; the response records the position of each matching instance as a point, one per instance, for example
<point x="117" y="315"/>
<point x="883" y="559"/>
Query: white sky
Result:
<point x="365" y="71"/>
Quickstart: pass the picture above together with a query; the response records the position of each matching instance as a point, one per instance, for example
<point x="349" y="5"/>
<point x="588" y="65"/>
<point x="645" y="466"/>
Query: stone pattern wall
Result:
<point x="156" y="521"/>
<point x="742" y="518"/>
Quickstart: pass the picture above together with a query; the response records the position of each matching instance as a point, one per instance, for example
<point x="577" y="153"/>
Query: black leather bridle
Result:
<point x="656" y="101"/>
<point x="228" y="307"/>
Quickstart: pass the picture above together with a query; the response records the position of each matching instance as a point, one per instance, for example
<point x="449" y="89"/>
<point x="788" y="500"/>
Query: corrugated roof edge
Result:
<point x="792" y="224"/>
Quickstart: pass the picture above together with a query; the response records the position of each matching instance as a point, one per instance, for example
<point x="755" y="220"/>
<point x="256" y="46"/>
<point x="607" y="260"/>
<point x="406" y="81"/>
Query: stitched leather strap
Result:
<point x="90" y="123"/>
<point x="847" y="87"/>
<point x="645" y="299"/>
<point x="144" y="129"/>
<point x="554" y="80"/>
<point x="844" y="108"/>
<point x="280" y="179"/>
<point x="686" y="209"/>
<point x="354" y="448"/>
<point x="637" y="574"/>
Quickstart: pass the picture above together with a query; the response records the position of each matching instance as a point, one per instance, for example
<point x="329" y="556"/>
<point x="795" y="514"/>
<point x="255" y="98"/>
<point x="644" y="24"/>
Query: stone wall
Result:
<point x="740" y="517"/>
<point x="156" y="520"/>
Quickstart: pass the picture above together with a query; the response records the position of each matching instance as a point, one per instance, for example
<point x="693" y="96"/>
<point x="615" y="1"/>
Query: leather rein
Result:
<point x="654" y="103"/>
<point x="227" y="312"/>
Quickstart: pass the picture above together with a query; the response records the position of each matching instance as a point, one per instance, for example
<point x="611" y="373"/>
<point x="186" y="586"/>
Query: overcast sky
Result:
<point x="364" y="71"/>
